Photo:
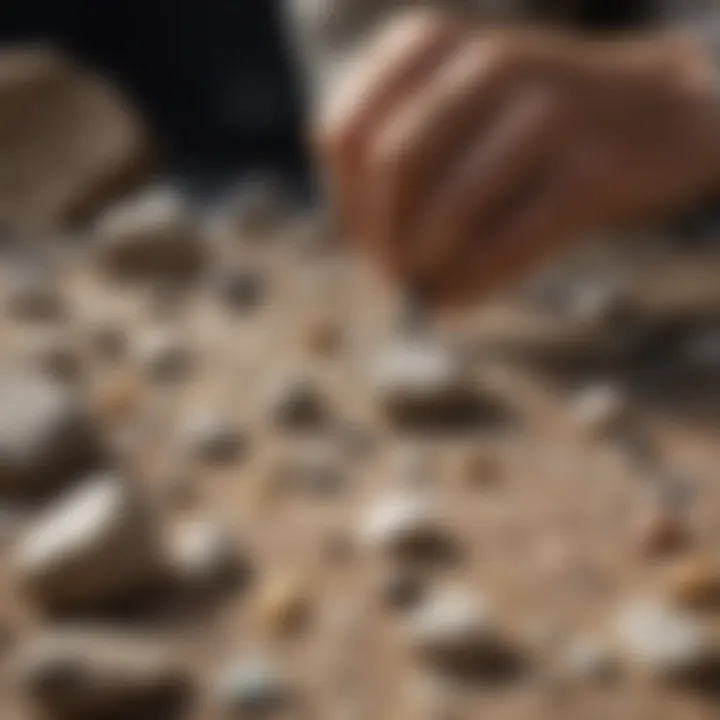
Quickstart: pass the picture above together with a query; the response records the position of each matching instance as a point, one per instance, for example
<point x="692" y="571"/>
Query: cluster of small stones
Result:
<point x="160" y="496"/>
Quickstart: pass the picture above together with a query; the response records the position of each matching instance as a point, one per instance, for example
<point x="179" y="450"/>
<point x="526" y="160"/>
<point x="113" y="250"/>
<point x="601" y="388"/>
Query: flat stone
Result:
<point x="162" y="354"/>
<point x="454" y="624"/>
<point x="213" y="439"/>
<point x="418" y="379"/>
<point x="662" y="640"/>
<point x="252" y="687"/>
<point x="694" y="582"/>
<point x="92" y="673"/>
<point x="93" y="546"/>
<point x="401" y="521"/>
<point x="295" y="403"/>
<point x="46" y="436"/>
<point x="202" y="553"/>
<point x="153" y="235"/>
<point x="599" y="409"/>
<point x="31" y="294"/>
<point x="240" y="289"/>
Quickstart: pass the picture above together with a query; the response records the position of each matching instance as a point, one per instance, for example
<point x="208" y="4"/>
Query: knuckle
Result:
<point x="500" y="58"/>
<point x="390" y="155"/>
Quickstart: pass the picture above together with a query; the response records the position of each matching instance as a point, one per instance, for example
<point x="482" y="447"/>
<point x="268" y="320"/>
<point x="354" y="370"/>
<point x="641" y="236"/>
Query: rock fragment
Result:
<point x="401" y="522"/>
<point x="86" y="672"/>
<point x="662" y="640"/>
<point x="587" y="659"/>
<point x="599" y="409"/>
<point x="282" y="604"/>
<point x="694" y="581"/>
<point x="94" y="546"/>
<point x="661" y="532"/>
<point x="296" y="403"/>
<point x="418" y="380"/>
<point x="241" y="289"/>
<point x="46" y="436"/>
<point x="32" y="295"/>
<point x="162" y="354"/>
<point x="252" y="687"/>
<point x="213" y="439"/>
<point x="151" y="236"/>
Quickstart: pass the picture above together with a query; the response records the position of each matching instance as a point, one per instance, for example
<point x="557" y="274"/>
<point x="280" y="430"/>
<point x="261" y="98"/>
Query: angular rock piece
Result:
<point x="148" y="237"/>
<point x="456" y="628"/>
<point x="163" y="354"/>
<point x="94" y="546"/>
<point x="46" y="436"/>
<point x="213" y="439"/>
<point x="252" y="686"/>
<point x="68" y="140"/>
<point x="295" y="403"/>
<point x="91" y="673"/>
<point x="401" y="522"/>
<point x="420" y="380"/>
<point x="662" y="640"/>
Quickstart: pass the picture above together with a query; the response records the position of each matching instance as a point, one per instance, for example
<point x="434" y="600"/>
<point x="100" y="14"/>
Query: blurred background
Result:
<point x="240" y="478"/>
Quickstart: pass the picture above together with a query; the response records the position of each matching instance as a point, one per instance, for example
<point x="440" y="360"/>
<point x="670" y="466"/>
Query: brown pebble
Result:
<point x="118" y="397"/>
<point x="323" y="337"/>
<point x="694" y="582"/>
<point x="282" y="605"/>
<point x="661" y="532"/>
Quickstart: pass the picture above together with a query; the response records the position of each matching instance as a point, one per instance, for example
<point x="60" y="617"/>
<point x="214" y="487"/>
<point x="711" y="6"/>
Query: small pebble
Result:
<point x="400" y="521"/>
<point x="282" y="605"/>
<point x="694" y="582"/>
<point x="117" y="397"/>
<point x="401" y="589"/>
<point x="297" y="404"/>
<point x="661" y="532"/>
<point x="213" y="439"/>
<point x="55" y="354"/>
<point x="314" y="470"/>
<point x="662" y="640"/>
<point x="586" y="659"/>
<point x="240" y="288"/>
<point x="323" y="337"/>
<point x="480" y="467"/>
<point x="202" y="553"/>
<point x="453" y="623"/>
<point x="31" y="294"/>
<point x="162" y="355"/>
<point x="252" y="687"/>
<point x="598" y="409"/>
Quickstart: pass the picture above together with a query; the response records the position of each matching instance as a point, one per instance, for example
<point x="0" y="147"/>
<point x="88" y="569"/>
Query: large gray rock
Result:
<point x="94" y="546"/>
<point x="46" y="436"/>
<point x="92" y="673"/>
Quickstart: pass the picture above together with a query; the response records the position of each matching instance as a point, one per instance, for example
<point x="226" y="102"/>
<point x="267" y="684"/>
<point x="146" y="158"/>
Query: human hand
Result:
<point x="461" y="160"/>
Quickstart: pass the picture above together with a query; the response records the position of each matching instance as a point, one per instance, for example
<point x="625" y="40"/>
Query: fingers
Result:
<point x="411" y="149"/>
<point x="569" y="203"/>
<point x="403" y="57"/>
<point x="499" y="165"/>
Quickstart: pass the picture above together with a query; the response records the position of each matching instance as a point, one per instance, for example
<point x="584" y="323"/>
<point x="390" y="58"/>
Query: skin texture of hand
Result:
<point x="461" y="160"/>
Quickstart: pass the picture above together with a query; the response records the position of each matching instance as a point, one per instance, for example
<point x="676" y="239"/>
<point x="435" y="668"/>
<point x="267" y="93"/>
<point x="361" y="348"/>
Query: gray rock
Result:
<point x="662" y="640"/>
<point x="240" y="288"/>
<point x="202" y="553"/>
<point x="599" y="409"/>
<point x="91" y="673"/>
<point x="295" y="403"/>
<point x="399" y="521"/>
<point x="251" y="687"/>
<point x="586" y="659"/>
<point x="31" y="294"/>
<point x="150" y="236"/>
<point x="213" y="439"/>
<point x="420" y="379"/>
<point x="454" y="624"/>
<point x="94" y="546"/>
<point x="162" y="354"/>
<point x="46" y="436"/>
<point x="400" y="589"/>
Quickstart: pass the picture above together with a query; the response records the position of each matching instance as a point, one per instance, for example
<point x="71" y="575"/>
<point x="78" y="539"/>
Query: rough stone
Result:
<point x="202" y="553"/>
<point x="162" y="354"/>
<point x="252" y="686"/>
<point x="454" y="624"/>
<point x="282" y="605"/>
<point x="694" y="581"/>
<point x="240" y="288"/>
<point x="660" y="639"/>
<point x="151" y="236"/>
<point x="295" y="403"/>
<point x="46" y="436"/>
<point x="95" y="545"/>
<point x="417" y="380"/>
<point x="87" y="672"/>
<point x="401" y="521"/>
<point x="69" y="141"/>
<point x="213" y="439"/>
